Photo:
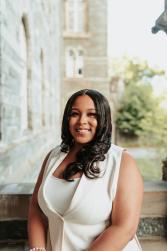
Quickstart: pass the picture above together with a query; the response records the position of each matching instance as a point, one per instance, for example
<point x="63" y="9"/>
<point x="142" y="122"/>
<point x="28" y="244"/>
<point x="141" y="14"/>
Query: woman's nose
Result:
<point x="83" y="119"/>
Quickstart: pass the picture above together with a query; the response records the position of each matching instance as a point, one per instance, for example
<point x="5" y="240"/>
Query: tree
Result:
<point x="138" y="101"/>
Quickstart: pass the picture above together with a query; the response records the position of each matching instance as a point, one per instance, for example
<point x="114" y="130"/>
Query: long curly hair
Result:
<point x="88" y="156"/>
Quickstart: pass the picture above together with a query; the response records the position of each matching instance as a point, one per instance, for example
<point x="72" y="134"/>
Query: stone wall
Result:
<point x="41" y="23"/>
<point x="152" y="229"/>
<point x="93" y="41"/>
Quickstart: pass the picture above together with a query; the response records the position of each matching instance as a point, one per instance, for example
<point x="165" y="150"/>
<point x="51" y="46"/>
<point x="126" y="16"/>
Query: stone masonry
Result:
<point x="42" y="26"/>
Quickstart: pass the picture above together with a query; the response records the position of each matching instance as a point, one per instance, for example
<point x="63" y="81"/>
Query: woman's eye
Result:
<point x="92" y="115"/>
<point x="74" y="114"/>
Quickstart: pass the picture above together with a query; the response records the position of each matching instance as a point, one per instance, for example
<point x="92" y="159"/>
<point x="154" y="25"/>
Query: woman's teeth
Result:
<point x="82" y="130"/>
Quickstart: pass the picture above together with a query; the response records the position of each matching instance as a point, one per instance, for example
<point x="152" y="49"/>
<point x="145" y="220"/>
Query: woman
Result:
<point x="89" y="193"/>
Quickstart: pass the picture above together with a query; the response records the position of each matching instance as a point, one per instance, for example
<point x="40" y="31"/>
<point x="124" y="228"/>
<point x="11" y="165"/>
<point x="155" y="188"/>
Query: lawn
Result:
<point x="151" y="169"/>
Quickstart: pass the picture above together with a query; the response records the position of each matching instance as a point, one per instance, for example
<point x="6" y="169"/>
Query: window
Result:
<point x="79" y="64"/>
<point x="75" y="15"/>
<point x="43" y="89"/>
<point x="70" y="63"/>
<point x="74" y="63"/>
<point x="26" y="81"/>
<point x="24" y="86"/>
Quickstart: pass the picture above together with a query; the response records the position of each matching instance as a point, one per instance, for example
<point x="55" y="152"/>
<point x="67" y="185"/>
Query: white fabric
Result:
<point x="88" y="213"/>
<point x="60" y="192"/>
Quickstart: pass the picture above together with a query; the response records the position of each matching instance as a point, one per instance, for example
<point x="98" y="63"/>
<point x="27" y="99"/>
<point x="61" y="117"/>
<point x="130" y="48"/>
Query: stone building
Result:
<point x="30" y="47"/>
<point x="85" y="47"/>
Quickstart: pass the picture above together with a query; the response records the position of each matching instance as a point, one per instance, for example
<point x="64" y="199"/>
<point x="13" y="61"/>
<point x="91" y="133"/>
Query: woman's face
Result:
<point x="83" y="120"/>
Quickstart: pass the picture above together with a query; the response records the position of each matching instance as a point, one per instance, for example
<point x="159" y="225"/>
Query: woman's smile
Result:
<point x="82" y="130"/>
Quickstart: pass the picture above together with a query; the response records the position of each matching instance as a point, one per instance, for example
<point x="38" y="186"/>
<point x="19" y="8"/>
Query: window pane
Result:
<point x="70" y="63"/>
<point x="79" y="64"/>
<point x="79" y="17"/>
<point x="75" y="16"/>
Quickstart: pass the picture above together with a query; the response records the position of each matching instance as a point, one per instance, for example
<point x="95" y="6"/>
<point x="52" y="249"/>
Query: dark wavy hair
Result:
<point x="88" y="156"/>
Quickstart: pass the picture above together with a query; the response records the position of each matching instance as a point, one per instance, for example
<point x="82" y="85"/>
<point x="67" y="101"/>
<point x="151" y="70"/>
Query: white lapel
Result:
<point x="83" y="189"/>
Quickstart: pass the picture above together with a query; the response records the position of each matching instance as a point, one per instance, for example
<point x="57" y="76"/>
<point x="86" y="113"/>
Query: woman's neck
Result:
<point x="76" y="148"/>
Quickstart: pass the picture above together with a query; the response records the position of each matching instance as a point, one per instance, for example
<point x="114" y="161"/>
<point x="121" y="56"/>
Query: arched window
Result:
<point x="75" y="14"/>
<point x="24" y="84"/>
<point x="74" y="63"/>
<point x="25" y="88"/>
<point x="43" y="90"/>
<point x="50" y="97"/>
<point x="70" y="63"/>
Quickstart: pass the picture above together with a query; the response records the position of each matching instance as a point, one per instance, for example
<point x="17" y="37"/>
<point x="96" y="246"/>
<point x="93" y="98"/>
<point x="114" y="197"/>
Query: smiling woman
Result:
<point x="86" y="109"/>
<point x="83" y="200"/>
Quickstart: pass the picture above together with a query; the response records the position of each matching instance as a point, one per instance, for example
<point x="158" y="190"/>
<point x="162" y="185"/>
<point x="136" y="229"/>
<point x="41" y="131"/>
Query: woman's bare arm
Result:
<point x="126" y="209"/>
<point x="37" y="222"/>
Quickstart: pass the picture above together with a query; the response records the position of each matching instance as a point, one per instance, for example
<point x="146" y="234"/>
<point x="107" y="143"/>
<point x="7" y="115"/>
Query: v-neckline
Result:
<point x="68" y="161"/>
<point x="73" y="203"/>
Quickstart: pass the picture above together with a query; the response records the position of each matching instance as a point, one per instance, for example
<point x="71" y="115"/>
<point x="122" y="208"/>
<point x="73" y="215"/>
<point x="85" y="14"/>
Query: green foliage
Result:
<point x="133" y="70"/>
<point x="136" y="103"/>
<point x="138" y="107"/>
<point x="155" y="128"/>
<point x="136" y="71"/>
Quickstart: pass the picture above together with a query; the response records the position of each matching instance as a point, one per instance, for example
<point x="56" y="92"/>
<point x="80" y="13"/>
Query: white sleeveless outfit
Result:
<point x="74" y="225"/>
<point x="60" y="193"/>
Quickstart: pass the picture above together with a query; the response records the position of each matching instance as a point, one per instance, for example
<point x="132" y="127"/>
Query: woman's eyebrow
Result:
<point x="89" y="109"/>
<point x="92" y="109"/>
<point x="73" y="108"/>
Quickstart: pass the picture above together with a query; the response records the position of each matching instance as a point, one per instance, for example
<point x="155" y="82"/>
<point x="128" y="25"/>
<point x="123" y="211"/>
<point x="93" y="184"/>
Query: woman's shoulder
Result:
<point x="115" y="149"/>
<point x="50" y="157"/>
<point x="120" y="151"/>
<point x="55" y="150"/>
<point x="127" y="163"/>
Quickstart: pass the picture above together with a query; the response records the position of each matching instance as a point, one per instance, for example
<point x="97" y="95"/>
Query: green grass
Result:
<point x="151" y="169"/>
